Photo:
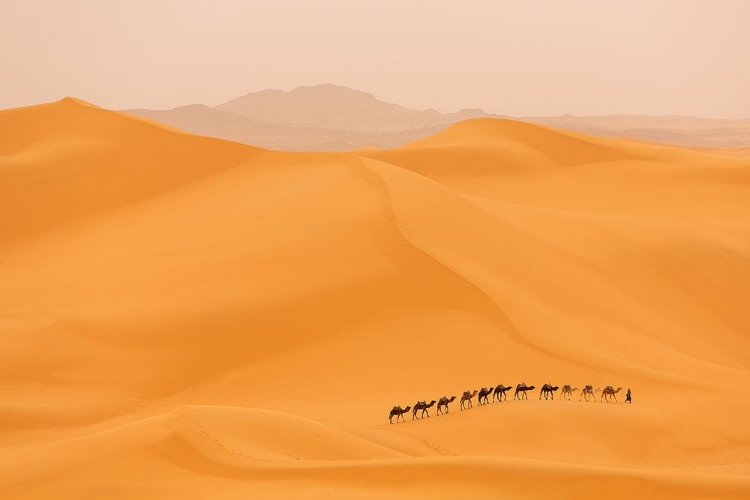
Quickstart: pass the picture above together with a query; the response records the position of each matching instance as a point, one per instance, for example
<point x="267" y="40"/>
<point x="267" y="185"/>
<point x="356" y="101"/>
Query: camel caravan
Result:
<point x="499" y="393"/>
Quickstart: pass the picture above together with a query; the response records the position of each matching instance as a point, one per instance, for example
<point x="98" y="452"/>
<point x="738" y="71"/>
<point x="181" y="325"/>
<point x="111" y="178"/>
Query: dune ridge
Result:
<point x="187" y="316"/>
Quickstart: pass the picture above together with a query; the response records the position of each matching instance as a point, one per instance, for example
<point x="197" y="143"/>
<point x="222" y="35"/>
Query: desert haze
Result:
<point x="335" y="118"/>
<point x="188" y="317"/>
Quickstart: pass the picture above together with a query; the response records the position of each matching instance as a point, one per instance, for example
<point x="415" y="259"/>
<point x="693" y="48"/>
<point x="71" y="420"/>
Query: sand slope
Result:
<point x="188" y="317"/>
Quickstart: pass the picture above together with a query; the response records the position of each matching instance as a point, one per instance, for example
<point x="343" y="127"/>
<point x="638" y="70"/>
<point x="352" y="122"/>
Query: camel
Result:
<point x="523" y="388"/>
<point x="500" y="392"/>
<point x="483" y="393"/>
<point x="399" y="413"/>
<point x="548" y="389"/>
<point x="608" y="393"/>
<point x="588" y="390"/>
<point x="444" y="402"/>
<point x="567" y="392"/>
<point x="466" y="398"/>
<point x="422" y="405"/>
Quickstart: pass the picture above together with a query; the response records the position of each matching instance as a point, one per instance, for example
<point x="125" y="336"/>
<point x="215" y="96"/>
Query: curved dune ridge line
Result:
<point x="188" y="317"/>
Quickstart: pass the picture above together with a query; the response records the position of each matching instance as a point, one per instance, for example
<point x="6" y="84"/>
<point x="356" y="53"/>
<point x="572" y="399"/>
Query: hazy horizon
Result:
<point x="538" y="58"/>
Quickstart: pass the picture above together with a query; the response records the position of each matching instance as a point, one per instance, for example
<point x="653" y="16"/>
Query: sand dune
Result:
<point x="188" y="317"/>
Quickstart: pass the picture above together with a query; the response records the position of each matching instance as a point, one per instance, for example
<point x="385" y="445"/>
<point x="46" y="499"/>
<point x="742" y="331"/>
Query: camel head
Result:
<point x="451" y="399"/>
<point x="431" y="403"/>
<point x="573" y="389"/>
<point x="618" y="389"/>
<point x="474" y="393"/>
<point x="555" y="387"/>
<point x="531" y="387"/>
<point x="598" y="389"/>
<point x="406" y="409"/>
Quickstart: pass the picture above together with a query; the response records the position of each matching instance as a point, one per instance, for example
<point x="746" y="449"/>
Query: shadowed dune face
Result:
<point x="182" y="314"/>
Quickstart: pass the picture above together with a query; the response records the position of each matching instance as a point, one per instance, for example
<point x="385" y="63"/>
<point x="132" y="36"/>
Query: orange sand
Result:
<point x="185" y="317"/>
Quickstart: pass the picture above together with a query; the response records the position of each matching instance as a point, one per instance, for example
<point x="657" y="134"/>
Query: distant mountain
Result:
<point x="203" y="120"/>
<point x="334" y="107"/>
<point x="334" y="118"/>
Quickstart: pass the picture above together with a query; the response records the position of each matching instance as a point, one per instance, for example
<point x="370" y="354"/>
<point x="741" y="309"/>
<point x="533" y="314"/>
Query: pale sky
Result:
<point x="515" y="57"/>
